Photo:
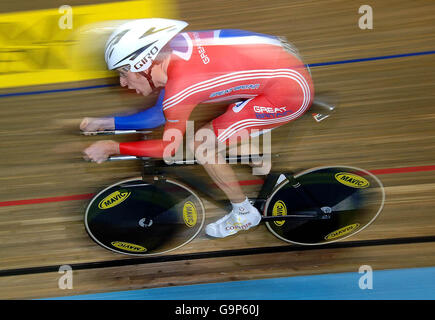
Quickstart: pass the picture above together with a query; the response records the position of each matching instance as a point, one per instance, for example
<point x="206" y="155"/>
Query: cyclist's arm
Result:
<point x="148" y="119"/>
<point x="175" y="128"/>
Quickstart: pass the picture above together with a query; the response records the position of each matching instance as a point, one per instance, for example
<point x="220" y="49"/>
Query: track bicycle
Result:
<point x="163" y="209"/>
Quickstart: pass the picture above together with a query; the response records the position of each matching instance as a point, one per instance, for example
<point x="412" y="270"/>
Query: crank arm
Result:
<point x="303" y="215"/>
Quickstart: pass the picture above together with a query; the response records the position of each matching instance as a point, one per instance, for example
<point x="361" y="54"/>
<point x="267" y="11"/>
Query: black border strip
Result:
<point x="217" y="254"/>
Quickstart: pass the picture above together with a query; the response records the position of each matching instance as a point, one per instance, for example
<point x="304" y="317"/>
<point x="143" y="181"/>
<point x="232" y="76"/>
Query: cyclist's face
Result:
<point x="135" y="81"/>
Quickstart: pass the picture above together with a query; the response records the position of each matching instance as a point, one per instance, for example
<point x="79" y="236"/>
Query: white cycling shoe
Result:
<point x="240" y="218"/>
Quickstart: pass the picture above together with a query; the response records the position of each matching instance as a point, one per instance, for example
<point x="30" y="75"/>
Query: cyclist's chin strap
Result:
<point x="147" y="75"/>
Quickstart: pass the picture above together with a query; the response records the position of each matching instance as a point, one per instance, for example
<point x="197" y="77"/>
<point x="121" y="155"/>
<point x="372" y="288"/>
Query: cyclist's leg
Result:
<point x="243" y="215"/>
<point x="288" y="98"/>
<point x="208" y="154"/>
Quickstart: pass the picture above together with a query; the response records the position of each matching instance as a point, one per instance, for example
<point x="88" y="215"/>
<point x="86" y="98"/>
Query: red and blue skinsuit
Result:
<point x="266" y="85"/>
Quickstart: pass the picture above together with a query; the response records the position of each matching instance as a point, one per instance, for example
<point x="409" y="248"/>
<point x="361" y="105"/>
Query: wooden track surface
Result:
<point x="385" y="119"/>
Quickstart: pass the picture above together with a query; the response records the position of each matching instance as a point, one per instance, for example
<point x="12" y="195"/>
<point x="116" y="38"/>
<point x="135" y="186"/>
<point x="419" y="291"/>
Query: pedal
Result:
<point x="159" y="179"/>
<point x="321" y="110"/>
<point x="319" y="117"/>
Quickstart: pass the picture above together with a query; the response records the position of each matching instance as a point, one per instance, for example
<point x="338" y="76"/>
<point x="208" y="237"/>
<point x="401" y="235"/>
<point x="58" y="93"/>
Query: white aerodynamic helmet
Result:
<point x="137" y="43"/>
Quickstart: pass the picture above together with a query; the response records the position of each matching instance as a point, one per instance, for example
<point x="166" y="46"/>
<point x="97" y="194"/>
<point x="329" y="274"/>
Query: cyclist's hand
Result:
<point x="89" y="125"/>
<point x="101" y="150"/>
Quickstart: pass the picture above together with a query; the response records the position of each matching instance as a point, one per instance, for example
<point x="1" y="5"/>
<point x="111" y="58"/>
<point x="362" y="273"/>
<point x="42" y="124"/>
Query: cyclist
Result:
<point x="261" y="75"/>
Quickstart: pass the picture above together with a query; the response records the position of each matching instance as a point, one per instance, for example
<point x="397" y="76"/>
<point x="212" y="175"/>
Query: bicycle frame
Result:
<point x="155" y="171"/>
